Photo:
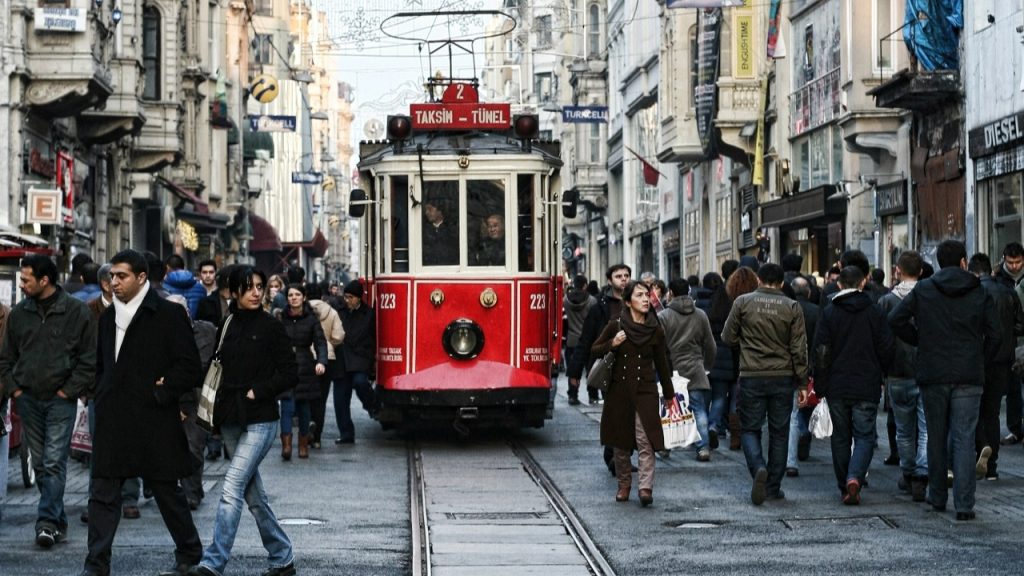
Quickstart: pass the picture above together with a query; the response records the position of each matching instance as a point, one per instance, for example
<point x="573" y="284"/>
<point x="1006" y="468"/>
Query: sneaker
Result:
<point x="344" y="441"/>
<point x="1010" y="438"/>
<point x="46" y="537"/>
<point x="61" y="535"/>
<point x="713" y="439"/>
<point x="574" y="401"/>
<point x="757" y="491"/>
<point x="992" y="474"/>
<point x="964" y="516"/>
<point x="595" y="400"/>
<point x="792" y="472"/>
<point x="981" y="468"/>
<point x="852" y="495"/>
<point x="703" y="455"/>
<point x="892" y="460"/>
<point x="803" y="447"/>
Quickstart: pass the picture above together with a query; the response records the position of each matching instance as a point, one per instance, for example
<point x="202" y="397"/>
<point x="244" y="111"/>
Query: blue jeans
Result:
<point x="700" y="401"/>
<point x="48" y="425"/>
<point x="911" y="429"/>
<point x="289" y="408"/>
<point x="5" y="447"/>
<point x="853" y="422"/>
<point x="242" y="487"/>
<point x="768" y="399"/>
<point x="719" y="404"/>
<point x="951" y="412"/>
<point x="358" y="382"/>
<point x="799" y="420"/>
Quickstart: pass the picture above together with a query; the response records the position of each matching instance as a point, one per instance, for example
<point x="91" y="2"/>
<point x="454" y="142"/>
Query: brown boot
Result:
<point x="286" y="446"/>
<point x="304" y="446"/>
<point x="734" y="431"/>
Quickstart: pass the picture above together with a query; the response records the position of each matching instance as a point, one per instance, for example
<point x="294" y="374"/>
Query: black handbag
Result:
<point x="600" y="375"/>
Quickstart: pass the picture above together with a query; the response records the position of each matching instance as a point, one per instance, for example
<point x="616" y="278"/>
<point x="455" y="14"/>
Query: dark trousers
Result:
<point x="951" y="412"/>
<point x="768" y="399"/>
<point x="359" y="383"/>
<point x="997" y="378"/>
<point x="320" y="404"/>
<point x="853" y="425"/>
<point x="193" y="485"/>
<point x="1014" y="407"/>
<point x="105" y="514"/>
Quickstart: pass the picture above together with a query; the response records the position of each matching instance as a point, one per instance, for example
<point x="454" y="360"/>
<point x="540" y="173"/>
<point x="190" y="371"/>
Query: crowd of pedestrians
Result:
<point x="759" y="345"/>
<point x="132" y="339"/>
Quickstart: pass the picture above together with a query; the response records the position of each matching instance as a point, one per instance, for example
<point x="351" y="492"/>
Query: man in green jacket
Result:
<point x="47" y="361"/>
<point x="768" y="328"/>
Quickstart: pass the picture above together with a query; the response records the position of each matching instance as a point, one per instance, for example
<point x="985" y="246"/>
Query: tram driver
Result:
<point x="491" y="249"/>
<point x="440" y="237"/>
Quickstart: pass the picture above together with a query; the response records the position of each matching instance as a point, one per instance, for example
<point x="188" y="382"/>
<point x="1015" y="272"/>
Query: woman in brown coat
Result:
<point x="630" y="419"/>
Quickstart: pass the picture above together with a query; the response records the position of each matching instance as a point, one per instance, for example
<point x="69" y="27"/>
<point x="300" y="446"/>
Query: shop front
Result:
<point x="810" y="223"/>
<point x="891" y="210"/>
<point x="997" y="149"/>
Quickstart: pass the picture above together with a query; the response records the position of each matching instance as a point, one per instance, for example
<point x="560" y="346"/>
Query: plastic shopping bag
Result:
<point x="821" y="421"/>
<point x="81" y="439"/>
<point x="677" y="423"/>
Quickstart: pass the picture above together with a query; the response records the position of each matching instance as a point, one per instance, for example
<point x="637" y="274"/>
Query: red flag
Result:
<point x="650" y="172"/>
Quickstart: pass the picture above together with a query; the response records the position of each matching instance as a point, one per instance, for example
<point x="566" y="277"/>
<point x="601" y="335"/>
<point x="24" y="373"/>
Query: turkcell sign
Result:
<point x="585" y="114"/>
<point x="470" y="116"/>
<point x="307" y="177"/>
<point x="265" y="123"/>
<point x="60" y="19"/>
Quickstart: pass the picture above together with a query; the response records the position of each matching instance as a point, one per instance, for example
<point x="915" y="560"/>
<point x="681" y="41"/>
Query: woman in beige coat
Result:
<point x="330" y="321"/>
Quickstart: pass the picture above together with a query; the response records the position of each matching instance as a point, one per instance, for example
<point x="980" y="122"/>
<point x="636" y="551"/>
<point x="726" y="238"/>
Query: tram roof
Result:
<point x="457" y="144"/>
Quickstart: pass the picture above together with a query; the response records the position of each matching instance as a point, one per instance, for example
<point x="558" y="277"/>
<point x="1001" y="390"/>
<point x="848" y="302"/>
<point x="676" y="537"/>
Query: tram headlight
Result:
<point x="463" y="339"/>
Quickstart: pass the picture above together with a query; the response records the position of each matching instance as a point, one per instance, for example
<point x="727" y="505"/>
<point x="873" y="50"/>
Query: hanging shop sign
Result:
<point x="585" y="114"/>
<point x="307" y="177"/>
<point x="44" y="206"/>
<point x="705" y="89"/>
<point x="270" y="123"/>
<point x="60" y="19"/>
<point x="891" y="199"/>
<point x="66" y="182"/>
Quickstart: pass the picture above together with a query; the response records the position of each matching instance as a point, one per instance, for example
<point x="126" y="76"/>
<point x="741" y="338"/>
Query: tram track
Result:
<point x="531" y="522"/>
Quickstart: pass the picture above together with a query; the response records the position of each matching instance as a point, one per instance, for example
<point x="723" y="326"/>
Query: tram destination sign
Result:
<point x="461" y="116"/>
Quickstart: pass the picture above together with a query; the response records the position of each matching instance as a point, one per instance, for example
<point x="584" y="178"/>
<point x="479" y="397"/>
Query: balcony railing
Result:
<point x="816" y="104"/>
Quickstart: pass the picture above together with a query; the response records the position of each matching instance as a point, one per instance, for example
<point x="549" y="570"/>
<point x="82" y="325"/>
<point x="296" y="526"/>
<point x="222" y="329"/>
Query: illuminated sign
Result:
<point x="459" y="109"/>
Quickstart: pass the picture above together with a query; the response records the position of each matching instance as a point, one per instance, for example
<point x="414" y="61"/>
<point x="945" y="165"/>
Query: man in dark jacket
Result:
<point x="799" y="434"/>
<point x="357" y="358"/>
<point x="997" y="371"/>
<point x="47" y="362"/>
<point x="768" y="328"/>
<point x="952" y="321"/>
<point x="214" y="307"/>
<point x="852" y="350"/>
<point x="851" y="258"/>
<point x="575" y="307"/>
<point x="792" y="264"/>
<point x="904" y="393"/>
<point x="609" y="306"/>
<point x="147" y="359"/>
<point x="1011" y="274"/>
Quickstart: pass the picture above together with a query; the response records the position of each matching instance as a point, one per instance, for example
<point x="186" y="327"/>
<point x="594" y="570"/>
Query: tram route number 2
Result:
<point x="538" y="301"/>
<point x="387" y="301"/>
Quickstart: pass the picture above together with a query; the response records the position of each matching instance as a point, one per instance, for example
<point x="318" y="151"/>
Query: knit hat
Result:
<point x="354" y="288"/>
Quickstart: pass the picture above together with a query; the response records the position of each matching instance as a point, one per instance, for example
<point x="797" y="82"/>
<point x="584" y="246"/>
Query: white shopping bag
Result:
<point x="677" y="422"/>
<point x="821" y="421"/>
<point x="81" y="439"/>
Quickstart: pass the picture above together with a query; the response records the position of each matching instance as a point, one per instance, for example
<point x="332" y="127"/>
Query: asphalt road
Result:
<point x="350" y="508"/>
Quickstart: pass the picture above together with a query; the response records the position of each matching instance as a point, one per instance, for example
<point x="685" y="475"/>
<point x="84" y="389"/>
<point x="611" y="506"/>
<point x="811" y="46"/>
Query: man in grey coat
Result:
<point x="691" y="347"/>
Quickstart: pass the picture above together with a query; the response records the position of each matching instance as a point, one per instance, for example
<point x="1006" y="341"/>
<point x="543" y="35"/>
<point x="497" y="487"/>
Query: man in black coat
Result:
<point x="997" y="372"/>
<point x="853" y="349"/>
<point x="356" y="359"/>
<point x="1011" y="275"/>
<point x="608" y="306"/>
<point x="147" y="359"/>
<point x="952" y="321"/>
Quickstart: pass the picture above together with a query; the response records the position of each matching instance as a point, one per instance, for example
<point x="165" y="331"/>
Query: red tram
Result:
<point x="461" y="209"/>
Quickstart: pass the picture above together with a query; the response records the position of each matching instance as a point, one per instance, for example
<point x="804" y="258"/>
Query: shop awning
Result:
<point x="315" y="247"/>
<point x="208" y="222"/>
<point x="805" y="208"/>
<point x="264" y="235"/>
<point x="253" y="141"/>
<point x="185" y="194"/>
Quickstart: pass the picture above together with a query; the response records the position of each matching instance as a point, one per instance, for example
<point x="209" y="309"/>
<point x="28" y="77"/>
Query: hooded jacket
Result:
<point x="952" y="321"/>
<point x="904" y="359"/>
<point x="860" y="348"/>
<point x="1009" y="315"/>
<point x="691" y="345"/>
<point x="184" y="283"/>
<point x="576" y="304"/>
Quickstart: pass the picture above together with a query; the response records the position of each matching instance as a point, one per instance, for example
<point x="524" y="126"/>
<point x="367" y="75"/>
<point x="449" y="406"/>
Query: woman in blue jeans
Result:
<point x="305" y="333"/>
<point x="258" y="365"/>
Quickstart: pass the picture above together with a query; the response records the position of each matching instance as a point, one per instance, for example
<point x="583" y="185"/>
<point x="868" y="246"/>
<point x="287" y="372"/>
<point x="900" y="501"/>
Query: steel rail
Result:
<point x="419" y="527"/>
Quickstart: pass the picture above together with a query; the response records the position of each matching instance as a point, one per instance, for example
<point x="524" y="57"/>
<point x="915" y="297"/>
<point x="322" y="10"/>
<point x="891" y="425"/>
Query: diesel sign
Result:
<point x="995" y="136"/>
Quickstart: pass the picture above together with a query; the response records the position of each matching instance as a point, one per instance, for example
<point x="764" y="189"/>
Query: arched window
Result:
<point x="151" y="53"/>
<point x="594" y="31"/>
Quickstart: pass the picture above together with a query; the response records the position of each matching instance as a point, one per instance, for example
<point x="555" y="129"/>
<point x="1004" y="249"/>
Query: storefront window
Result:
<point x="1004" y="195"/>
<point x="692" y="227"/>
<point x="723" y="218"/>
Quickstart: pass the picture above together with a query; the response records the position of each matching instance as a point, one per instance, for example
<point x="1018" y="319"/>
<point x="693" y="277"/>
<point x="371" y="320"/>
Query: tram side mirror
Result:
<point x="570" y="201"/>
<point x="357" y="201"/>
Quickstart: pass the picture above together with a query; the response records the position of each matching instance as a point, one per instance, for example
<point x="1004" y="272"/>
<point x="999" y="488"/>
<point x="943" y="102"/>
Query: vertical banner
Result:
<point x="66" y="183"/>
<point x="757" y="179"/>
<point x="773" y="27"/>
<point x="744" y="45"/>
<point x="705" y="90"/>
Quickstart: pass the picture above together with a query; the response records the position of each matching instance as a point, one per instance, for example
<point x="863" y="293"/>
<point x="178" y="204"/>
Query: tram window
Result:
<point x="524" y="222"/>
<point x="400" y="224"/>
<point x="485" y="225"/>
<point x="440" y="223"/>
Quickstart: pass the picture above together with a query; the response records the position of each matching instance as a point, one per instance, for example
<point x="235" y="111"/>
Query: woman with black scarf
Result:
<point x="630" y="420"/>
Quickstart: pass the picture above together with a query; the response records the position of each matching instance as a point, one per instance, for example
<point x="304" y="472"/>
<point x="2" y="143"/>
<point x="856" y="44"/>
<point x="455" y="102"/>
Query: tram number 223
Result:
<point x="538" y="301"/>
<point x="387" y="301"/>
